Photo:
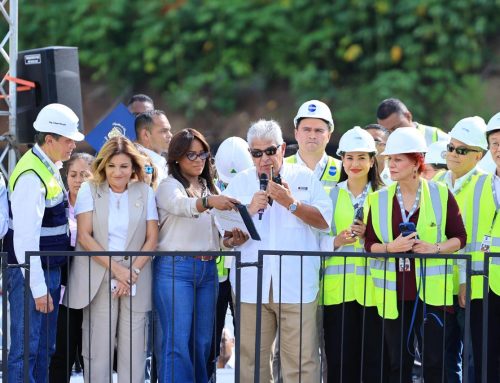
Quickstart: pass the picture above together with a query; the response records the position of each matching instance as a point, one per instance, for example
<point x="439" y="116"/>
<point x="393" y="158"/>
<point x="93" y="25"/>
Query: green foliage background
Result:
<point x="349" y="53"/>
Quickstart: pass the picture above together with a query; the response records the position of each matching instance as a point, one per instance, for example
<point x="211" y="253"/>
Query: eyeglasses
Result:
<point x="379" y="143"/>
<point x="148" y="169"/>
<point x="460" y="150"/>
<point x="192" y="156"/>
<point x="270" y="151"/>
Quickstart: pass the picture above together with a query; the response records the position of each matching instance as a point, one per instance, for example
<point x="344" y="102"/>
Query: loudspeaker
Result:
<point x="56" y="73"/>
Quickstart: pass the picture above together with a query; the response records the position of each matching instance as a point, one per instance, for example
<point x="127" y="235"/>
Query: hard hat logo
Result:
<point x="58" y="119"/>
<point x="314" y="109"/>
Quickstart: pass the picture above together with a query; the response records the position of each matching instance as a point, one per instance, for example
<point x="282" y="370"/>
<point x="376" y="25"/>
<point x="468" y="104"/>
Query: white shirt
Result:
<point x="118" y="213"/>
<point x="27" y="202"/>
<point x="328" y="241"/>
<point x="459" y="182"/>
<point x="4" y="208"/>
<point x="160" y="162"/>
<point x="281" y="230"/>
<point x="320" y="166"/>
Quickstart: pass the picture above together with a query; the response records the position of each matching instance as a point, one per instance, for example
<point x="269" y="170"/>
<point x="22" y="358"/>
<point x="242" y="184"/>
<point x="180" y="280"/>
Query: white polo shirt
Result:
<point x="281" y="230"/>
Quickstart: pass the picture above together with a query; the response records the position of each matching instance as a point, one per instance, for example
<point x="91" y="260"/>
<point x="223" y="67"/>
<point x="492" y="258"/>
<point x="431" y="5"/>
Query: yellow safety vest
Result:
<point x="436" y="274"/>
<point x="221" y="270"/>
<point x="462" y="199"/>
<point x="337" y="289"/>
<point x="331" y="172"/>
<point x="480" y="211"/>
<point x="430" y="133"/>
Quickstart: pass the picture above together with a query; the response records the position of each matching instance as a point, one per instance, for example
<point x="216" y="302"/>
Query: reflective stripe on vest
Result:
<point x="339" y="269"/>
<point x="473" y="247"/>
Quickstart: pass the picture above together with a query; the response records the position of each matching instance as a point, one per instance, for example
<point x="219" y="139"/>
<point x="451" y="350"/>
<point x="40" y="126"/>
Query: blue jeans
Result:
<point x="42" y="328"/>
<point x="185" y="295"/>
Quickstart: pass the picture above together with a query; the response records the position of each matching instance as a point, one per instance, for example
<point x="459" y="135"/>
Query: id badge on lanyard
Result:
<point x="404" y="263"/>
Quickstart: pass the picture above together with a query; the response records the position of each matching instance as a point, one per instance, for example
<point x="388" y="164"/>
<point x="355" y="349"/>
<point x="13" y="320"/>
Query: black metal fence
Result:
<point x="368" y="343"/>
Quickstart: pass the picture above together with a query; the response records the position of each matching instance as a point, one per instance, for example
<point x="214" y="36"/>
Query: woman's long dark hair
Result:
<point x="179" y="146"/>
<point x="373" y="175"/>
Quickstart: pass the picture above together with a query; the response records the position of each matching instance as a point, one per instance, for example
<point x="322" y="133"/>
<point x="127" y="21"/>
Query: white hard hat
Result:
<point x="314" y="109"/>
<point x="232" y="157"/>
<point x="58" y="119"/>
<point x="356" y="140"/>
<point x="471" y="131"/>
<point x="493" y="123"/>
<point x="436" y="153"/>
<point x="405" y="140"/>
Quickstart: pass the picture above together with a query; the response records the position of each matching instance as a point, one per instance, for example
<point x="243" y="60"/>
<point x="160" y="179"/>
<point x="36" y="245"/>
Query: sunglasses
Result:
<point x="460" y="150"/>
<point x="148" y="169"/>
<point x="192" y="156"/>
<point x="270" y="151"/>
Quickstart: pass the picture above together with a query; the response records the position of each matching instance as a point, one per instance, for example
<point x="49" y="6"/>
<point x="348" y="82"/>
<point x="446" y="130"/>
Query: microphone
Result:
<point x="263" y="180"/>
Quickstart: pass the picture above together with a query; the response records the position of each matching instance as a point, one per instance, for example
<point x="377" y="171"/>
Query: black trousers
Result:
<point x="433" y="336"/>
<point x="223" y="300"/>
<point x="353" y="339"/>
<point x="68" y="344"/>
<point x="493" y="336"/>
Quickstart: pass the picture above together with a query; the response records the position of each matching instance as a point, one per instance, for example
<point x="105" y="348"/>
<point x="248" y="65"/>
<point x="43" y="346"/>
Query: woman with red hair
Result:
<point x="414" y="296"/>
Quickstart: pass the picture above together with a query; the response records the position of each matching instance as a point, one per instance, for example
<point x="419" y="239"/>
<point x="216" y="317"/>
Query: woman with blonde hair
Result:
<point x="116" y="212"/>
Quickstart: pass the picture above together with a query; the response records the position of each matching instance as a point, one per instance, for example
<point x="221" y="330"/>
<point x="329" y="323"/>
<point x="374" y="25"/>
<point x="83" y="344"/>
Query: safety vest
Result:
<point x="430" y="133"/>
<point x="344" y="278"/>
<point x="480" y="211"/>
<point x="54" y="230"/>
<point x="221" y="270"/>
<point x="331" y="172"/>
<point x="434" y="276"/>
<point x="462" y="198"/>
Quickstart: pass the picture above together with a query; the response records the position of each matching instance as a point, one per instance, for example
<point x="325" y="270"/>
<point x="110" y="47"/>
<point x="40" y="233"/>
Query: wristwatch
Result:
<point x="292" y="208"/>
<point x="136" y="270"/>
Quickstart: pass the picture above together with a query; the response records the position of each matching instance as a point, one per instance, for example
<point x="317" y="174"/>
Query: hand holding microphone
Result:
<point x="259" y="200"/>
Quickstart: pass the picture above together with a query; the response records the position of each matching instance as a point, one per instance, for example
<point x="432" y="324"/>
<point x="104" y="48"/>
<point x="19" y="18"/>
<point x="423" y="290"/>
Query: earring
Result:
<point x="176" y="162"/>
<point x="414" y="173"/>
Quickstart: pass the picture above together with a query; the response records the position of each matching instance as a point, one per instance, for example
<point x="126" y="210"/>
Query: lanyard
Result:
<point x="465" y="183"/>
<point x="361" y="199"/>
<point x="402" y="206"/>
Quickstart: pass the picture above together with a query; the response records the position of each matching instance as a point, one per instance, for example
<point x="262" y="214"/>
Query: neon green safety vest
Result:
<point x="461" y="198"/>
<point x="430" y="133"/>
<point x="352" y="268"/>
<point x="331" y="172"/>
<point x="221" y="270"/>
<point x="437" y="274"/>
<point x="29" y="162"/>
<point x="479" y="214"/>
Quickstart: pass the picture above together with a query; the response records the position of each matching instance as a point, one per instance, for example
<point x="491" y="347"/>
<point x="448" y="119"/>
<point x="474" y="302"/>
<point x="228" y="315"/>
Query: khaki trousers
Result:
<point x="97" y="335"/>
<point x="298" y="352"/>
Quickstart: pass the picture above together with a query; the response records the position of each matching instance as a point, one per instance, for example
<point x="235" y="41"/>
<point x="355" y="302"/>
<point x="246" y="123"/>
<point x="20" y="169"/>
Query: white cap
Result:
<point x="58" y="119"/>
<point x="405" y="140"/>
<point x="232" y="157"/>
<point x="436" y="153"/>
<point x="314" y="109"/>
<point x="356" y="140"/>
<point x="493" y="123"/>
<point x="471" y="131"/>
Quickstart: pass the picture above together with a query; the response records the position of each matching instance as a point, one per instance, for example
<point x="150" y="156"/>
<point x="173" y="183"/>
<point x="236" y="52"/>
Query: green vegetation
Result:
<point x="350" y="53"/>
